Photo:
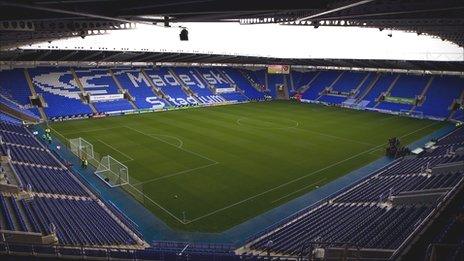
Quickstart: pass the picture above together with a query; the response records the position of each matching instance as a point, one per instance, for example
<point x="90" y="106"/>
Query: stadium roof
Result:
<point x="37" y="20"/>
<point x="136" y="58"/>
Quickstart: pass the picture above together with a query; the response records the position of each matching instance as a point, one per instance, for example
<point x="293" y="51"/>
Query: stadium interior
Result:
<point x="135" y="154"/>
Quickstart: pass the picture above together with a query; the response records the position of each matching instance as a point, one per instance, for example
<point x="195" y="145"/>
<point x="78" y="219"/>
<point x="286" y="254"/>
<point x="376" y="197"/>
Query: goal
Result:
<point x="108" y="169"/>
<point x="112" y="172"/>
<point x="82" y="148"/>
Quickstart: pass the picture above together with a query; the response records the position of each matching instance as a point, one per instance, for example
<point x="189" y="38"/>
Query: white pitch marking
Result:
<point x="84" y="131"/>
<point x="296" y="124"/>
<point x="300" y="178"/>
<point x="177" y="173"/>
<point x="183" y="149"/>
<point x="122" y="153"/>
<point x="181" y="143"/>
<point x="296" y="191"/>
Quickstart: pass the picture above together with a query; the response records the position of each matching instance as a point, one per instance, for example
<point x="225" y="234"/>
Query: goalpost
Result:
<point x="110" y="170"/>
<point x="113" y="172"/>
<point x="82" y="148"/>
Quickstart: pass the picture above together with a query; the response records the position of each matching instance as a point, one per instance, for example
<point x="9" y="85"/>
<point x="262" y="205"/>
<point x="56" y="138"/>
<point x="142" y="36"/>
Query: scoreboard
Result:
<point x="278" y="69"/>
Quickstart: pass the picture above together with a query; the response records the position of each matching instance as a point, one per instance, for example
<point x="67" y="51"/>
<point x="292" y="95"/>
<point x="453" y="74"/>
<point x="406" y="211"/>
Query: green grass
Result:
<point x="228" y="164"/>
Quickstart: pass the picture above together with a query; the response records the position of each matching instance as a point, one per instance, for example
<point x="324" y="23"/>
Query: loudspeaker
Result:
<point x="184" y="35"/>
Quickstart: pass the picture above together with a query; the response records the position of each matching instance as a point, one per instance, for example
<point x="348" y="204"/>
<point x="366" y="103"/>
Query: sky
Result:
<point x="271" y="40"/>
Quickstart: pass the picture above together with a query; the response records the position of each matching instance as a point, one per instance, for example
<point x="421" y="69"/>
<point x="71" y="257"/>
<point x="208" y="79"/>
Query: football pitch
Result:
<point x="208" y="169"/>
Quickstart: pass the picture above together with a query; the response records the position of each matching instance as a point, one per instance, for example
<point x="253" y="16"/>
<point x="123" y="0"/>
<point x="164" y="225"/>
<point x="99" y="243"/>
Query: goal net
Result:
<point x="113" y="172"/>
<point x="82" y="148"/>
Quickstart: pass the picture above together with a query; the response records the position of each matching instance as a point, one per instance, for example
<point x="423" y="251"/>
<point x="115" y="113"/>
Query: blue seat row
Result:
<point x="49" y="180"/>
<point x="20" y="139"/>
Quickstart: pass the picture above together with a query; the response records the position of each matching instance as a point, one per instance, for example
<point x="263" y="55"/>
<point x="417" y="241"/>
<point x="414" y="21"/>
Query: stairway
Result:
<point x="461" y="100"/>
<point x="251" y="81"/>
<point x="155" y="89"/>
<point x="305" y="87"/>
<point x="22" y="212"/>
<point x="356" y="90"/>
<point x="388" y="90"/>
<point x="43" y="116"/>
<point x="125" y="92"/>
<point x="226" y="77"/>
<point x="9" y="209"/>
<point x="422" y="95"/>
<point x="292" y="84"/>
<point x="200" y="76"/>
<point x="426" y="89"/>
<point x="81" y="87"/>
<point x="185" y="88"/>
<point x="266" y="81"/>
<point x="286" y="95"/>
<point x="232" y="83"/>
<point x="369" y="88"/>
<point x="332" y="84"/>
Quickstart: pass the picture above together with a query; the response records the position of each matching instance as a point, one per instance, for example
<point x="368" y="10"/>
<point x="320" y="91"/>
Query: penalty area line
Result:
<point x="176" y="174"/>
<point x="158" y="205"/>
<point x="177" y="147"/>
<point x="113" y="148"/>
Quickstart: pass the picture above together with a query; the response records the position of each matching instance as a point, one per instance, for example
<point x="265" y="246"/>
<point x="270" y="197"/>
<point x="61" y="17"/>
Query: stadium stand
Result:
<point x="48" y="202"/>
<point x="389" y="206"/>
<point x="98" y="82"/>
<point x="249" y="91"/>
<point x="7" y="118"/>
<point x="376" y="214"/>
<point x="138" y="86"/>
<point x="14" y="86"/>
<point x="182" y="86"/>
<point x="60" y="91"/>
